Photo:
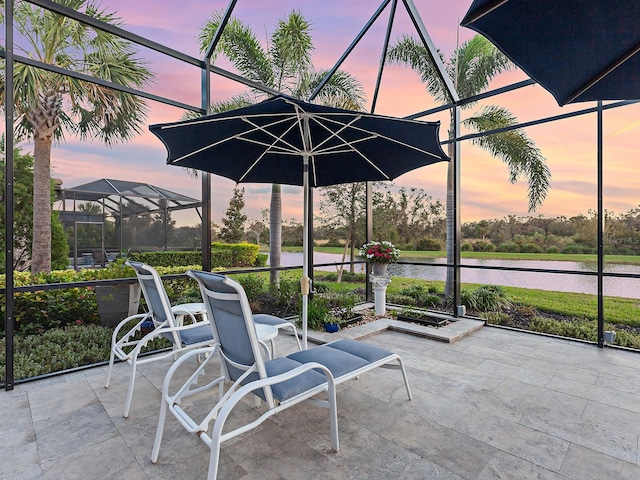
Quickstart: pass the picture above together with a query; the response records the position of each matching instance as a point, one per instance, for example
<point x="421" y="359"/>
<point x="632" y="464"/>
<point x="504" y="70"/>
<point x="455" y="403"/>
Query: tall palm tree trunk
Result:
<point x="275" y="234"/>
<point x="44" y="119"/>
<point x="41" y="249"/>
<point x="448" y="287"/>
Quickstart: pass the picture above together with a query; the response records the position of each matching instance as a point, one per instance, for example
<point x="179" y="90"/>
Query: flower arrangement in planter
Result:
<point x="379" y="254"/>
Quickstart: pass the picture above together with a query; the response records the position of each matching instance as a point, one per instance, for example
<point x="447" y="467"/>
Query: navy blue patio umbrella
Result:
<point x="291" y="142"/>
<point x="579" y="50"/>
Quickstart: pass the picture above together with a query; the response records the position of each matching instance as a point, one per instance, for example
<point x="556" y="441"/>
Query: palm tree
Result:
<point x="286" y="66"/>
<point x="471" y="67"/>
<point x="48" y="104"/>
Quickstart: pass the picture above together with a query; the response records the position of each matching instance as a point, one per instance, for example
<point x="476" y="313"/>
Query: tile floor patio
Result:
<point x="495" y="404"/>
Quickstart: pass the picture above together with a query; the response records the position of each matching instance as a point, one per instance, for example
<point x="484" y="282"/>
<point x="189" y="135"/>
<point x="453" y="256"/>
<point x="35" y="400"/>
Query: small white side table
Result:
<point x="195" y="309"/>
<point x="267" y="332"/>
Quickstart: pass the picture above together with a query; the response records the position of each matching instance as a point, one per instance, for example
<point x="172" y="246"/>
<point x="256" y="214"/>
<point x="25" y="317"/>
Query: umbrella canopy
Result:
<point x="263" y="143"/>
<point x="287" y="141"/>
<point x="579" y="50"/>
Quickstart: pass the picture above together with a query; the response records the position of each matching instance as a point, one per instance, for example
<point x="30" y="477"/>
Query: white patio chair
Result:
<point x="281" y="382"/>
<point x="280" y="324"/>
<point x="183" y="335"/>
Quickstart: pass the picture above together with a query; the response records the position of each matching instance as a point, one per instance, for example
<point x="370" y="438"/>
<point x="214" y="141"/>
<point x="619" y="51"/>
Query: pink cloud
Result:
<point x="569" y="145"/>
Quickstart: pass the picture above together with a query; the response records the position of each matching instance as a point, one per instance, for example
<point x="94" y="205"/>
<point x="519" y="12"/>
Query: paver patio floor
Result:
<point x="495" y="404"/>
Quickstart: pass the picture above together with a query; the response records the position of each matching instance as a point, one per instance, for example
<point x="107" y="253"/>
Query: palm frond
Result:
<point x="515" y="149"/>
<point x="478" y="62"/>
<point x="241" y="46"/>
<point x="410" y="51"/>
<point x="342" y="90"/>
<point x="291" y="49"/>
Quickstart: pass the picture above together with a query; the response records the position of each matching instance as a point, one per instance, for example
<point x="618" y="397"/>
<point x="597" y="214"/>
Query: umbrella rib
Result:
<point x="264" y="130"/>
<point x="371" y="135"/>
<point x="603" y="73"/>
<point x="344" y="126"/>
<point x="482" y="11"/>
<point x="240" y="136"/>
<point x="269" y="147"/>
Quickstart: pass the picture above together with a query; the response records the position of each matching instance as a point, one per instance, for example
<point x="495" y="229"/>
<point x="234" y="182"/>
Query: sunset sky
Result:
<point x="569" y="145"/>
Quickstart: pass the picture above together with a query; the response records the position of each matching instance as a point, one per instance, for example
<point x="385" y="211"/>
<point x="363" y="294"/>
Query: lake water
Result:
<point x="615" y="287"/>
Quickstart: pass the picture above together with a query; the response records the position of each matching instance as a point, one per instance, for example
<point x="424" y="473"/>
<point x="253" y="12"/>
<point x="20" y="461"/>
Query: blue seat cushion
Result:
<point x="290" y="388"/>
<point x="339" y="362"/>
<point x="370" y="353"/>
<point x="193" y="335"/>
<point x="266" y="319"/>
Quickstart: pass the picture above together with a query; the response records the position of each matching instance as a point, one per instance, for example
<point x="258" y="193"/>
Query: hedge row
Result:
<point x="222" y="255"/>
<point x="36" y="312"/>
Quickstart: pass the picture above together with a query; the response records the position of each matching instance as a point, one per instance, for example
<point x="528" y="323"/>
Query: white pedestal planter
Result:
<point x="380" y="291"/>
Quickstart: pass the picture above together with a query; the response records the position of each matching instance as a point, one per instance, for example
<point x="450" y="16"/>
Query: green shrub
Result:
<point x="347" y="276"/>
<point x="508" y="247"/>
<point x="490" y="298"/>
<point x="46" y="309"/>
<point x="63" y="349"/>
<point x="317" y="313"/>
<point x="488" y="247"/>
<point x="400" y="299"/>
<point x="58" y="349"/>
<point x="579" y="329"/>
<point x="288" y="292"/>
<point x="530" y="248"/>
<point x="468" y="299"/>
<point x="320" y="286"/>
<point x="627" y="339"/>
<point x="552" y="249"/>
<point x="422" y="295"/>
<point x="573" y="248"/>
<point x="254" y="286"/>
<point x="498" y="318"/>
<point x="466" y="247"/>
<point x="167" y="259"/>
<point x="261" y="260"/>
<point x="482" y="246"/>
<point x="485" y="298"/>
<point x="234" y="254"/>
<point x="428" y="244"/>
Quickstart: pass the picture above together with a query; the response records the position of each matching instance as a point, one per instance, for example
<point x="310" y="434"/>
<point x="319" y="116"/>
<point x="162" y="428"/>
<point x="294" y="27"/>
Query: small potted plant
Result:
<point x="332" y="324"/>
<point x="380" y="255"/>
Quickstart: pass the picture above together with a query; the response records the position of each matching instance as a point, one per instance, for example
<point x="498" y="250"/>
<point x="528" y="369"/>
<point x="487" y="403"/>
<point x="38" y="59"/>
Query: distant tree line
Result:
<point x="408" y="217"/>
<point x="577" y="234"/>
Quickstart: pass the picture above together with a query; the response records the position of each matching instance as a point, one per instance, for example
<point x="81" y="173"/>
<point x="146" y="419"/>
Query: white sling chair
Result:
<point x="184" y="337"/>
<point x="281" y="382"/>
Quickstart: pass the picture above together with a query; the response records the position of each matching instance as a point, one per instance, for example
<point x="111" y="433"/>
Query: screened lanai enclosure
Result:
<point x="575" y="193"/>
<point x="115" y="204"/>
<point x="540" y="387"/>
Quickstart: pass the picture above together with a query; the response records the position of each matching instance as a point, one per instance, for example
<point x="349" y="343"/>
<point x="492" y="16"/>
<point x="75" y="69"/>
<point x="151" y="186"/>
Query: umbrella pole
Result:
<point x="305" y="281"/>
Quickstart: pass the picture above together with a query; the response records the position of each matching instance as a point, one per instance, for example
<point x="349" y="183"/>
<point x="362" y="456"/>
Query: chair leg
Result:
<point x="111" y="360"/>
<point x="156" y="444"/>
<point x="333" y="418"/>
<point x="406" y="380"/>
<point x="132" y="380"/>
<point x="214" y="459"/>
<point x="295" y="335"/>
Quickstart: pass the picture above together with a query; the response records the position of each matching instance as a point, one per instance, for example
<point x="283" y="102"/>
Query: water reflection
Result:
<point x="615" y="287"/>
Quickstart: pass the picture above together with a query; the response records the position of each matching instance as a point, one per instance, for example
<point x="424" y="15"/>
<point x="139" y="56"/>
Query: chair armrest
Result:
<point x="226" y="404"/>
